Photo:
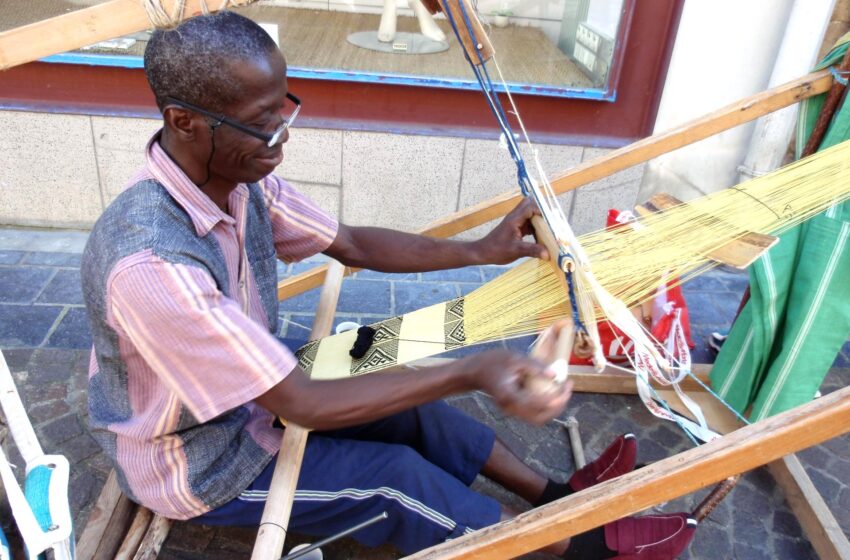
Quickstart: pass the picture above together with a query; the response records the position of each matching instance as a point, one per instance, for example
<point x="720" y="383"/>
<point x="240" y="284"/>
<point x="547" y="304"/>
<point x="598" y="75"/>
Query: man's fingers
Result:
<point x="536" y="250"/>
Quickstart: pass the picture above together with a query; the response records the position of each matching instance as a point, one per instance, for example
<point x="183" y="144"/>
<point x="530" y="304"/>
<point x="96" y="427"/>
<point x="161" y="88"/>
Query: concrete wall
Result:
<point x="62" y="170"/>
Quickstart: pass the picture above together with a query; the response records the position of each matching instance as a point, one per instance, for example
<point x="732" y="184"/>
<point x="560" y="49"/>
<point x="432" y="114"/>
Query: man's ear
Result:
<point x="183" y="124"/>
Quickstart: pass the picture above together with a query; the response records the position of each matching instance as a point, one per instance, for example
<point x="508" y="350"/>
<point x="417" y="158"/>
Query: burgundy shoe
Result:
<point x="651" y="537"/>
<point x="617" y="460"/>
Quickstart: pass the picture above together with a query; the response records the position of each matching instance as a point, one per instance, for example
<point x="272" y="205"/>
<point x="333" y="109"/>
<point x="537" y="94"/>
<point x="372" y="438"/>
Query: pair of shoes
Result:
<point x="618" y="459"/>
<point x="650" y="537"/>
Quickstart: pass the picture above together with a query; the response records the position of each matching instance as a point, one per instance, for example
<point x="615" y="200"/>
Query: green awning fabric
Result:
<point x="798" y="316"/>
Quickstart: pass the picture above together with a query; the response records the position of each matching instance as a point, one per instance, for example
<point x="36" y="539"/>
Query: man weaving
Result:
<point x="186" y="377"/>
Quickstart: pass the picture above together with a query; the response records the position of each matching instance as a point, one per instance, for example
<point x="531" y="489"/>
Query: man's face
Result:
<point x="239" y="157"/>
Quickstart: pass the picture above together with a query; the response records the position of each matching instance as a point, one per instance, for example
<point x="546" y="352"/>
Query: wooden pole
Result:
<point x="275" y="520"/>
<point x="740" y="451"/>
<point x="86" y="27"/>
<point x="745" y="110"/>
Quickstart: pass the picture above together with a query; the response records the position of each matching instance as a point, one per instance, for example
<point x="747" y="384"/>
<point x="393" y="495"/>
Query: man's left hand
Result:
<point x="505" y="243"/>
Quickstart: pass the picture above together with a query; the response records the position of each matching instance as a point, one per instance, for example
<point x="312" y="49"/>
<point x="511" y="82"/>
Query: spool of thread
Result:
<point x="365" y="337"/>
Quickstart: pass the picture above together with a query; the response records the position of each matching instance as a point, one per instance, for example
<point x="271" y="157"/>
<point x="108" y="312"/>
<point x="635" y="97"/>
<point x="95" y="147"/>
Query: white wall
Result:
<point x="725" y="50"/>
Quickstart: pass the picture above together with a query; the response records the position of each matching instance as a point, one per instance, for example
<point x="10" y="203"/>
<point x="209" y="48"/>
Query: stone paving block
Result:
<point x="297" y="326"/>
<point x="492" y="271"/>
<point x="73" y="332"/>
<point x="11" y="257"/>
<point x="376" y="275"/>
<point x="52" y="241"/>
<point x="17" y="358"/>
<point x="712" y="309"/>
<point x="25" y="325"/>
<point x="365" y="296"/>
<point x="843" y="358"/>
<point x="304" y="302"/>
<point x="65" y="288"/>
<point x="61" y="429"/>
<point x="704" y="283"/>
<point x="22" y="284"/>
<point x="796" y="549"/>
<point x="410" y="296"/>
<point x="465" y="274"/>
<point x="711" y="541"/>
<point x="53" y="259"/>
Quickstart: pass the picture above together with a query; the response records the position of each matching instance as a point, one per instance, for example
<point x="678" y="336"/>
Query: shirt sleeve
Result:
<point x="300" y="228"/>
<point x="197" y="340"/>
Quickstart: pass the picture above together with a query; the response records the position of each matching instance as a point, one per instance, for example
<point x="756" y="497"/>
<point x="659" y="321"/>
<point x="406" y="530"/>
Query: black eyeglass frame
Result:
<point x="271" y="139"/>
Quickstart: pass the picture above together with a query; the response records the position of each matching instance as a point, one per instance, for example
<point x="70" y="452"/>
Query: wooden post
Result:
<point x="740" y="451"/>
<point x="745" y="110"/>
<point x="272" y="532"/>
<point x="85" y="27"/>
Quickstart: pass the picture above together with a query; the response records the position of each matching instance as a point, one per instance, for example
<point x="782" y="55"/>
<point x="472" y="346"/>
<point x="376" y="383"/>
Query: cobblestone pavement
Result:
<point x="45" y="338"/>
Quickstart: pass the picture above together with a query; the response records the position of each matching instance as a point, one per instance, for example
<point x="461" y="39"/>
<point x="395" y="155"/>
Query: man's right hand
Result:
<point x="504" y="374"/>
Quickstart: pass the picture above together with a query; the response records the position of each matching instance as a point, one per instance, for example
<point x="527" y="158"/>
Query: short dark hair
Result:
<point x="192" y="62"/>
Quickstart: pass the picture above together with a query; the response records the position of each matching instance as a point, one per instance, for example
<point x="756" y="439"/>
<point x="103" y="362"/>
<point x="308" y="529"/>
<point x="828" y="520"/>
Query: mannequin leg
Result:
<point x="386" y="31"/>
<point x="427" y="24"/>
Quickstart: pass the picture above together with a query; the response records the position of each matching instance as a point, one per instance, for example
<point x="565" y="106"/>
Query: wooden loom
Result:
<point x="818" y="523"/>
<point x="808" y="425"/>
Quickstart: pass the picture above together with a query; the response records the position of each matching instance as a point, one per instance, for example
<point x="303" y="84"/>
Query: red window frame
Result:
<point x="102" y="90"/>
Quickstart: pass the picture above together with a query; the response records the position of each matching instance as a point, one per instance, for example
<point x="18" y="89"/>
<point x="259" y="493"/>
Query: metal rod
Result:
<point x="380" y="517"/>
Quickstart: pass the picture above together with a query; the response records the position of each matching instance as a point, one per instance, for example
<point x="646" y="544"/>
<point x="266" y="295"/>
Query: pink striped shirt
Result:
<point x="189" y="350"/>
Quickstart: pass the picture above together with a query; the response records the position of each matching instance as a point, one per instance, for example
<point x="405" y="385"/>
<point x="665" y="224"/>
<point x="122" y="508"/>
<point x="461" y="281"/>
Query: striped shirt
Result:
<point x="197" y="350"/>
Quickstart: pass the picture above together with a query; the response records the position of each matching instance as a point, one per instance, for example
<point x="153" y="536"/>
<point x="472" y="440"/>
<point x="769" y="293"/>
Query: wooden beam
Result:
<point x="272" y="532"/>
<point x="110" y="514"/>
<point x="87" y="26"/>
<point x="738" y="253"/>
<point x="609" y="380"/>
<point x="817" y="521"/>
<point x="740" y="451"/>
<point x="745" y="110"/>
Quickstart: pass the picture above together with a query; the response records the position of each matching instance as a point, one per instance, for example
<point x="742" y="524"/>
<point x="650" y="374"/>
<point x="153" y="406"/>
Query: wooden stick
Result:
<point x="85" y="27"/>
<point x="272" y="532"/>
<point x="609" y="381"/>
<point x="107" y="521"/>
<point x="740" y="451"/>
<point x="471" y="47"/>
<point x="571" y="425"/>
<point x="135" y="534"/>
<point x="827" y="111"/>
<point x="713" y="499"/>
<point x="154" y="537"/>
<point x="745" y="110"/>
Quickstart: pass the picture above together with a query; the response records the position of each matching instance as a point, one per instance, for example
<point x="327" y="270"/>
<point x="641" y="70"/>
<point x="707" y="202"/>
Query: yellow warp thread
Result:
<point x="632" y="262"/>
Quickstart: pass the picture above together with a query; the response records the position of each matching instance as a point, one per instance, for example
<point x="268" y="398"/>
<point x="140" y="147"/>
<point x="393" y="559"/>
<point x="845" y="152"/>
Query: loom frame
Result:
<point x="111" y="512"/>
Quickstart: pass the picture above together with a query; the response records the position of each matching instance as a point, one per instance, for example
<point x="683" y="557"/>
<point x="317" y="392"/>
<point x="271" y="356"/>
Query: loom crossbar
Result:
<point x="740" y="451"/>
<point x="738" y="253"/>
<point x="730" y="116"/>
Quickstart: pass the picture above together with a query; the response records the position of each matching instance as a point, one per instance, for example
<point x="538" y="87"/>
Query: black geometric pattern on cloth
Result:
<point x="384" y="350"/>
<point x="307" y="356"/>
<point x="453" y="331"/>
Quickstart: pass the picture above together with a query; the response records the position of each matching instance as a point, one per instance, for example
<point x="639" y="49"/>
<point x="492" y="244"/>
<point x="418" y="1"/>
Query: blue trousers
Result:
<point x="416" y="465"/>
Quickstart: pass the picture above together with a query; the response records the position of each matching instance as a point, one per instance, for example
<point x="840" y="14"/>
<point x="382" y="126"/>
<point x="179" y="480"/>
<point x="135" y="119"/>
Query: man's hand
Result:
<point x="505" y="243"/>
<point x="503" y="375"/>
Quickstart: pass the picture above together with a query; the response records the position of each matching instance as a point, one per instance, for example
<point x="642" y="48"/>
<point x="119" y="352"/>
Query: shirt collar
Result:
<point x="203" y="212"/>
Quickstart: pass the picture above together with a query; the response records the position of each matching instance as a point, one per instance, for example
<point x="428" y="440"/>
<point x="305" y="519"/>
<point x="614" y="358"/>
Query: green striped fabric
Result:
<point x="798" y="316"/>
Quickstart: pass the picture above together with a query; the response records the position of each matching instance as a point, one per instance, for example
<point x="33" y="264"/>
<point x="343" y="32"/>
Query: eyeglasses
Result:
<point x="271" y="139"/>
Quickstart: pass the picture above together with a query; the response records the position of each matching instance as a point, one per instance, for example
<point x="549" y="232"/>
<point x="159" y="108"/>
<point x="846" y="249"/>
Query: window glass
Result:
<point x="548" y="47"/>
